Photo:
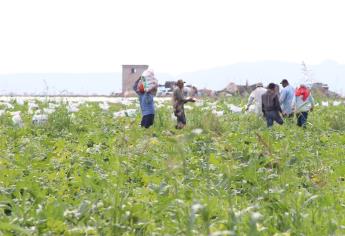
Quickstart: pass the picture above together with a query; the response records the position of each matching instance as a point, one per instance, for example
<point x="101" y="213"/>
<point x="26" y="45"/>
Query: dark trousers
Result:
<point x="272" y="116"/>
<point x="147" y="120"/>
<point x="302" y="119"/>
<point x="181" y="117"/>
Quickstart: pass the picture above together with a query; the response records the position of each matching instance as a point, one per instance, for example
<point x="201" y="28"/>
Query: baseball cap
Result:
<point x="284" y="81"/>
<point x="180" y="81"/>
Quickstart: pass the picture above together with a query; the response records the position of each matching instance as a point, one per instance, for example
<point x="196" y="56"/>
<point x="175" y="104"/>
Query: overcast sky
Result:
<point x="173" y="36"/>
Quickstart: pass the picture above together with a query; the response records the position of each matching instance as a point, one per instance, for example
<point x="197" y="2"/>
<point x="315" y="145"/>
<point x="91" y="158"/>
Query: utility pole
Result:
<point x="307" y="74"/>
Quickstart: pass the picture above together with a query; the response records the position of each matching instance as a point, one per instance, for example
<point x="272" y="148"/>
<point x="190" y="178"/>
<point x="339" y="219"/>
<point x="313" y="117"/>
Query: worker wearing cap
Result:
<point x="286" y="98"/>
<point x="255" y="99"/>
<point x="178" y="104"/>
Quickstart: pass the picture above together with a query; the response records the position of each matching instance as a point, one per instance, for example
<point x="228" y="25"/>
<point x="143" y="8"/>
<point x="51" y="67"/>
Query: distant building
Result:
<point x="320" y="86"/>
<point x="206" y="93"/>
<point x="130" y="73"/>
<point x="170" y="84"/>
<point x="163" y="91"/>
<point x="190" y="91"/>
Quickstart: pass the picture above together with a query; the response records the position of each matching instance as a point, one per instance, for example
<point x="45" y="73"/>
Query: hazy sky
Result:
<point x="172" y="36"/>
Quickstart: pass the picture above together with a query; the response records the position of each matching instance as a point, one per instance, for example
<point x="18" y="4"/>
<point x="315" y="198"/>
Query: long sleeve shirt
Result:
<point x="302" y="106"/>
<point x="286" y="98"/>
<point x="179" y="100"/>
<point x="255" y="98"/>
<point x="270" y="102"/>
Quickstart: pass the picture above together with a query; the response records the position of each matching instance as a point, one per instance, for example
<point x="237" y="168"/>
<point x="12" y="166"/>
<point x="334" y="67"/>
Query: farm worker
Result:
<point x="255" y="99"/>
<point x="271" y="106"/>
<point x="302" y="103"/>
<point x="146" y="104"/>
<point x="178" y="104"/>
<point x="286" y="97"/>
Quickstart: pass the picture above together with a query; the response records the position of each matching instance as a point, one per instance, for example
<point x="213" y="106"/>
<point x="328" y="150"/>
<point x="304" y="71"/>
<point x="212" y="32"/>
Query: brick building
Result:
<point x="130" y="73"/>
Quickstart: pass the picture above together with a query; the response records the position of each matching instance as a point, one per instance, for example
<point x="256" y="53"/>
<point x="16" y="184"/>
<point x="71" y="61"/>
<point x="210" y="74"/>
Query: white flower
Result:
<point x="336" y="103"/>
<point x="20" y="101"/>
<point x="8" y="105"/>
<point x="223" y="233"/>
<point x="324" y="104"/>
<point x="39" y="119"/>
<point x="17" y="120"/>
<point x="53" y="105"/>
<point x="72" y="108"/>
<point x="48" y="110"/>
<point x="39" y="208"/>
<point x="218" y="113"/>
<point x="256" y="216"/>
<point x="196" y="207"/>
<point x="179" y="201"/>
<point x="32" y="106"/>
<point x="197" y="131"/>
<point x="260" y="228"/>
<point x="104" y="106"/>
<point x="311" y="199"/>
<point x="272" y="176"/>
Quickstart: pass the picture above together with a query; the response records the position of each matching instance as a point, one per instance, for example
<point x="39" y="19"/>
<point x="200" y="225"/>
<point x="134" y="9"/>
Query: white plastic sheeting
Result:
<point x="188" y="107"/>
<point x="234" y="109"/>
<point x="104" y="106"/>
<point x="7" y="105"/>
<point x="218" y="113"/>
<point x="16" y="119"/>
<point x="48" y="111"/>
<point x="73" y="107"/>
<point x="324" y="104"/>
<point x="40" y="119"/>
<point x="125" y="113"/>
<point x="336" y="103"/>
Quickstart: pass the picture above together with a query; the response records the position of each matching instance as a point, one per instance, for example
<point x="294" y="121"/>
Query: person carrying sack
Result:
<point x="146" y="100"/>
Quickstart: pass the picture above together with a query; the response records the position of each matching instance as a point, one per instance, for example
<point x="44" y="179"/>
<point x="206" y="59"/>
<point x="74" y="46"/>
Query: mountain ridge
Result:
<point x="329" y="72"/>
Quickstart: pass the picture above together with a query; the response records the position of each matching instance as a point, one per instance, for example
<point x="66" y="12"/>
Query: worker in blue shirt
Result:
<point x="147" y="105"/>
<point x="285" y="99"/>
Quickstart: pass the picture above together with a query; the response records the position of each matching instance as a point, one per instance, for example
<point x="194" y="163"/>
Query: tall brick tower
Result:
<point x="130" y="73"/>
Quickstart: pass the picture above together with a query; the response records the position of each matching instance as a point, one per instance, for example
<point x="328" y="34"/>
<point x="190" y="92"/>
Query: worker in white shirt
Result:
<point x="255" y="99"/>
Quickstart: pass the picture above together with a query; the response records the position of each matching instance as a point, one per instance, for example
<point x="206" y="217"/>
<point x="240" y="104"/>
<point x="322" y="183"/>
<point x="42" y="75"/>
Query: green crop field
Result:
<point x="89" y="171"/>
